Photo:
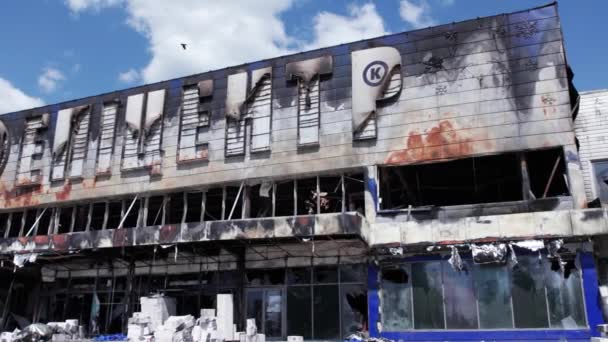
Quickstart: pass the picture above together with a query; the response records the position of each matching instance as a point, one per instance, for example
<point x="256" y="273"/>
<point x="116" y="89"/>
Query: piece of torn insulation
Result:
<point x="455" y="260"/>
<point x="135" y="104"/>
<point x="489" y="253"/>
<point x="531" y="245"/>
<point x="154" y="108"/>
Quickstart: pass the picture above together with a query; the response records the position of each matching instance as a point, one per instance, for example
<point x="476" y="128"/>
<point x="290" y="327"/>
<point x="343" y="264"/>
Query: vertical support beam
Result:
<point x="575" y="176"/>
<point x="9" y="219"/>
<point x="184" y="206"/>
<point x="295" y="197"/>
<point x="342" y="179"/>
<point x="89" y="217"/>
<point x="246" y="207"/>
<point x="371" y="193"/>
<point x="146" y="208"/>
<point x="23" y="218"/>
<point x="274" y="199"/>
<point x="106" y="214"/>
<point x="526" y="190"/>
<point x="318" y="196"/>
<point x="223" y="203"/>
<point x="164" y="206"/>
<point x="203" y="205"/>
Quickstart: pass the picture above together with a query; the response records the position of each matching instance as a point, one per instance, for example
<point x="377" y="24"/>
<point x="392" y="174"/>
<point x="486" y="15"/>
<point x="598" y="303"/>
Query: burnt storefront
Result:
<point x="423" y="185"/>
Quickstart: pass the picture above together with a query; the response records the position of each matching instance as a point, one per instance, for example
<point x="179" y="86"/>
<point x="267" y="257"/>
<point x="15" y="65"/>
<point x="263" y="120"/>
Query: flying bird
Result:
<point x="184" y="46"/>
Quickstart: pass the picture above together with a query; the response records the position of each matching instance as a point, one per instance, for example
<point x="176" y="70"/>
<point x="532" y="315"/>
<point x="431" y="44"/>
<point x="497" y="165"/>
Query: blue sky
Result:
<point x="56" y="50"/>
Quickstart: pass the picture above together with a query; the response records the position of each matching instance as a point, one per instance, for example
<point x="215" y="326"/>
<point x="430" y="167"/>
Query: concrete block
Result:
<point x="385" y="233"/>
<point x="555" y="223"/>
<point x="588" y="222"/>
<point x="416" y="232"/>
<point x="225" y="316"/>
<point x="481" y="227"/>
<point x="449" y="231"/>
<point x="517" y="225"/>
<point x="207" y="313"/>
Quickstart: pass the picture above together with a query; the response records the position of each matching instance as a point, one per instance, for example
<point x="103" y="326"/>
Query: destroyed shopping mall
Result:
<point x="439" y="184"/>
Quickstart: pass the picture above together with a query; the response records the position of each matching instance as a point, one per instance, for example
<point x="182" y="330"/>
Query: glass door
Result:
<point x="266" y="306"/>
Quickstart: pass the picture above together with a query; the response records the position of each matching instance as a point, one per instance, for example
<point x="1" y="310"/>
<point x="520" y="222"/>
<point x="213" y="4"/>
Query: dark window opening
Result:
<point x="213" y="204"/>
<point x="326" y="322"/>
<point x="30" y="219"/>
<point x="465" y="181"/>
<point x="299" y="311"/>
<point x="547" y="172"/>
<point x="355" y="193"/>
<point x="175" y="208"/>
<point x="98" y="212"/>
<point x="195" y="206"/>
<point x="284" y="201"/>
<point x="155" y="211"/>
<point x="3" y="223"/>
<point x="307" y="196"/>
<point x="330" y="195"/>
<point x="131" y="216"/>
<point x="16" y="222"/>
<point x="45" y="221"/>
<point x="260" y="200"/>
<point x="600" y="170"/>
<point x="65" y="220"/>
<point x="114" y="214"/>
<point x="81" y="218"/>
<point x="231" y="198"/>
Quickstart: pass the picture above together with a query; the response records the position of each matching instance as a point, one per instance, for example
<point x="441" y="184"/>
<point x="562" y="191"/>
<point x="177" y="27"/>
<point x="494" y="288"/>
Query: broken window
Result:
<point x="66" y="218"/>
<point x="98" y="213"/>
<point x="44" y="223"/>
<point x="29" y="165"/>
<point x="600" y="170"/>
<point x="330" y="194"/>
<point x="195" y="206"/>
<point x="194" y="122"/>
<point x="249" y="99"/>
<point x="174" y="208"/>
<point x="70" y="142"/>
<point x="354" y="197"/>
<point x="4" y="223"/>
<point x="284" y="198"/>
<point x="307" y="196"/>
<point x="353" y="298"/>
<point x="106" y="138"/>
<point x="155" y="210"/>
<point x="81" y="217"/>
<point x="234" y="202"/>
<point x="16" y="222"/>
<point x="472" y="181"/>
<point x="260" y="200"/>
<point x="547" y="172"/>
<point x="326" y="311"/>
<point x="30" y="220"/>
<point x="114" y="214"/>
<point x="213" y="204"/>
<point x="131" y="217"/>
<point x="396" y="298"/>
<point x="143" y="131"/>
<point x="530" y="295"/>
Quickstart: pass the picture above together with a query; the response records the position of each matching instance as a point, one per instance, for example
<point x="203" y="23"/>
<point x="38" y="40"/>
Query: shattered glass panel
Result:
<point x="354" y="308"/>
<point x="428" y="295"/>
<point x="326" y="312"/>
<point x="460" y="303"/>
<point x="493" y="290"/>
<point x="396" y="299"/>
<point x="529" y="297"/>
<point x="299" y="311"/>
<point x="565" y="297"/>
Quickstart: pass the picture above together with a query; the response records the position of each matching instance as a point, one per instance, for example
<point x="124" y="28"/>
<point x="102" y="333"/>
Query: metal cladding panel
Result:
<point x="591" y="127"/>
<point x="481" y="86"/>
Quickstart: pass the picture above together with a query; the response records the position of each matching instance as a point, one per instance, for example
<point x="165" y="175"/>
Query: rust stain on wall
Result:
<point x="64" y="193"/>
<point x="16" y="197"/>
<point x="443" y="141"/>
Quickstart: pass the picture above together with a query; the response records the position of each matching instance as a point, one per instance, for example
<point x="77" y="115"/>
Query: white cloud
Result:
<point x="95" y="5"/>
<point x="416" y="14"/>
<point x="14" y="99"/>
<point x="50" y="79"/>
<point x="225" y="33"/>
<point x="128" y="76"/>
<point x="362" y="22"/>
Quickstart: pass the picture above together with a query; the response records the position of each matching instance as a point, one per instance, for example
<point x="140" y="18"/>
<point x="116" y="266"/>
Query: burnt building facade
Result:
<point x="351" y="188"/>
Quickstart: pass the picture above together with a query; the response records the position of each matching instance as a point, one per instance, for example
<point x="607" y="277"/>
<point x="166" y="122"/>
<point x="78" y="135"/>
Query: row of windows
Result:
<point x="432" y="295"/>
<point x="315" y="195"/>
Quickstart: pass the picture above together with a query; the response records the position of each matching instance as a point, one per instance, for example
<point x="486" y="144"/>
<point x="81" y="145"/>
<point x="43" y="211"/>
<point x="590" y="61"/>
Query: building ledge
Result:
<point x="544" y="224"/>
<point x="321" y="225"/>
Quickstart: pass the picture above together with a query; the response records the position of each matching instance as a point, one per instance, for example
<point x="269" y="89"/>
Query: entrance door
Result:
<point x="266" y="306"/>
